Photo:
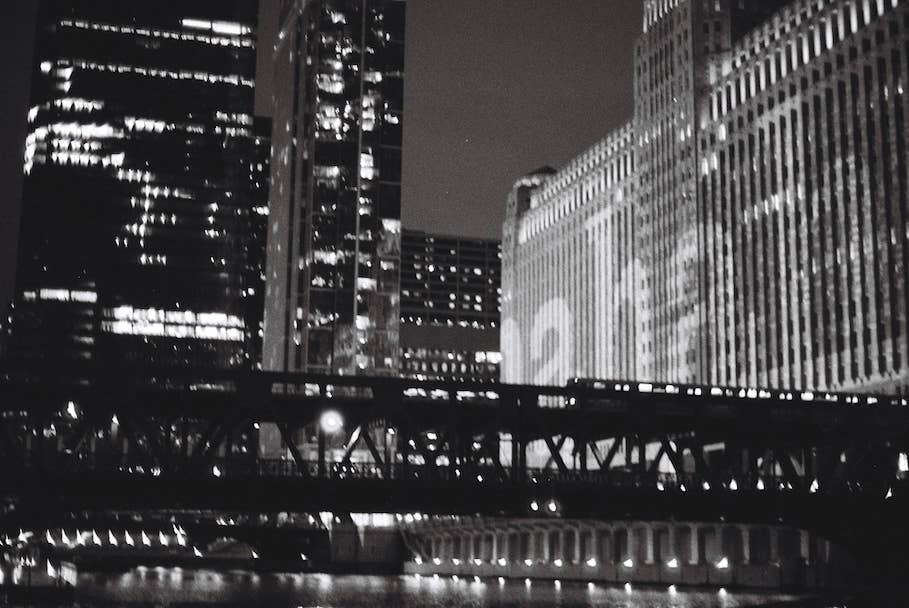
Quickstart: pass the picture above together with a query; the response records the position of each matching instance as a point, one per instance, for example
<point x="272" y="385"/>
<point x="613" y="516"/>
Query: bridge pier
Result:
<point x="759" y="556"/>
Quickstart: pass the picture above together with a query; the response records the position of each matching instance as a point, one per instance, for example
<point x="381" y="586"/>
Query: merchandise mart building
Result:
<point x="768" y="205"/>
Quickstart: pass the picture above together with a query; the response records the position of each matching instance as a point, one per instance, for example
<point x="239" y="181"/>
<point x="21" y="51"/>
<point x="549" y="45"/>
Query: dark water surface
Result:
<point x="201" y="588"/>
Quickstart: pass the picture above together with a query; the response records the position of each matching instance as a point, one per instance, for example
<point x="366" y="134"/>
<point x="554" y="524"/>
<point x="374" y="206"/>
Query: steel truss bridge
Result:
<point x="189" y="439"/>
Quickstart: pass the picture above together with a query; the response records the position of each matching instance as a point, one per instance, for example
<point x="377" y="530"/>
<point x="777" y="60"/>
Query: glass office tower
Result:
<point x="138" y="193"/>
<point x="334" y="248"/>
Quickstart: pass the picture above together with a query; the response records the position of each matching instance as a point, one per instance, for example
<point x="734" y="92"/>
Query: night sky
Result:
<point x="493" y="89"/>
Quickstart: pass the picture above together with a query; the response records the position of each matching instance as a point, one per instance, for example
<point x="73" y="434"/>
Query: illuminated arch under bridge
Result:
<point x="128" y="438"/>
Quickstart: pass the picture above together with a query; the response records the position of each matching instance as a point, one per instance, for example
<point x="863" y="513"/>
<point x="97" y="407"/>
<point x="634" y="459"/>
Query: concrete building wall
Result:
<point x="803" y="188"/>
<point x="568" y="269"/>
<point x="763" y="237"/>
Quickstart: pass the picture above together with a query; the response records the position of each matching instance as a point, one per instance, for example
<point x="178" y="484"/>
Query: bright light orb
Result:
<point x="331" y="422"/>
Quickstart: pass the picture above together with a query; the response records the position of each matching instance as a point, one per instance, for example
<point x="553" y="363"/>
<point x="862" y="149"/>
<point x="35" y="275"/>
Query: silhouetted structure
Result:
<point x="138" y="199"/>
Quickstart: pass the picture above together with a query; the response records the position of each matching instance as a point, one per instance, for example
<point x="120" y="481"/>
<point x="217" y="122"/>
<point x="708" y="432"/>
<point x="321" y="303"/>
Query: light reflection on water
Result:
<point x="177" y="588"/>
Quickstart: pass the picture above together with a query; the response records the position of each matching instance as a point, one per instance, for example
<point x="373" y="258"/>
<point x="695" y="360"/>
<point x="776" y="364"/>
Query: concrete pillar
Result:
<point x="631" y="550"/>
<point x="694" y="552"/>
<point x="805" y="546"/>
<point x="494" y="555"/>
<point x="546" y="552"/>
<point x="648" y="543"/>
<point x="561" y="551"/>
<point x="774" y="546"/>
<point x="531" y="545"/>
<point x="503" y="549"/>
<point x="593" y="545"/>
<point x="671" y="551"/>
<point x="745" y="531"/>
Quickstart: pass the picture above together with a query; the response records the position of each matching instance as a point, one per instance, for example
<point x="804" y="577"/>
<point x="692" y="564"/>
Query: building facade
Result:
<point x="137" y="200"/>
<point x="568" y="265"/>
<point x="259" y="178"/>
<point x="804" y="181"/>
<point x="334" y="242"/>
<point x="450" y="305"/>
<point x="767" y="202"/>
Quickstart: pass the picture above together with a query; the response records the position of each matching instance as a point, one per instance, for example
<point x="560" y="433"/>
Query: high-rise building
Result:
<point x="137" y="200"/>
<point x="682" y="50"/>
<point x="450" y="303"/>
<point x="334" y="241"/>
<point x="803" y="190"/>
<point x="768" y="205"/>
<point x="568" y="267"/>
<point x="259" y="178"/>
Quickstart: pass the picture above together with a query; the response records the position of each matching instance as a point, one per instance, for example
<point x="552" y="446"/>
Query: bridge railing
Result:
<point x="484" y="475"/>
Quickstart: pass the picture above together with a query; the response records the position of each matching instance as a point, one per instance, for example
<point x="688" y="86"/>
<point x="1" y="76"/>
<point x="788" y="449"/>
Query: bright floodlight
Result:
<point x="331" y="422"/>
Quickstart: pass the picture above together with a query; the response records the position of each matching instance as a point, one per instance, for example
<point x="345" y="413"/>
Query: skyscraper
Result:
<point x="137" y="198"/>
<point x="450" y="303"/>
<point x="768" y="201"/>
<point x="259" y="177"/>
<point x="682" y="50"/>
<point x="334" y="242"/>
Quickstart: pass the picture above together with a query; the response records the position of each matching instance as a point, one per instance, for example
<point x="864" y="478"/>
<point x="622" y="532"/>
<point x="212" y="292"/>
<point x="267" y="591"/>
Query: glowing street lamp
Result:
<point x="331" y="422"/>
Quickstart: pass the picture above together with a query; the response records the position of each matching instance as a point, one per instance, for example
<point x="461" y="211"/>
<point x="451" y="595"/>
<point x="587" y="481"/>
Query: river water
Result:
<point x="176" y="588"/>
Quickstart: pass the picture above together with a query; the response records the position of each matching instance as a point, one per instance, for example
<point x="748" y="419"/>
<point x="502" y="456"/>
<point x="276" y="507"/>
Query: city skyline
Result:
<point x="534" y="104"/>
<point x="684" y="363"/>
